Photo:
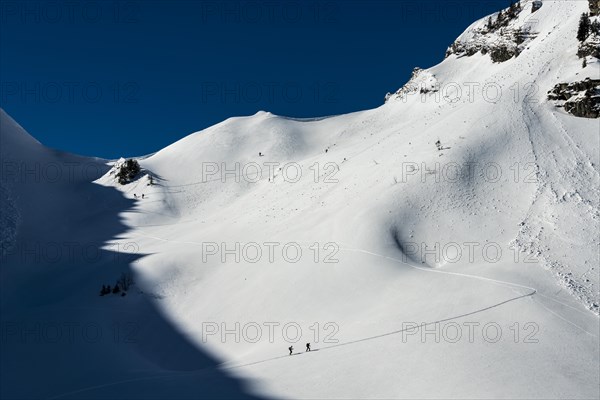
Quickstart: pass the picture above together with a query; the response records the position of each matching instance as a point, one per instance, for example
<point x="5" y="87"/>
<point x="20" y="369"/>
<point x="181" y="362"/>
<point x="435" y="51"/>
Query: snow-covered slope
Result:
<point x="439" y="246"/>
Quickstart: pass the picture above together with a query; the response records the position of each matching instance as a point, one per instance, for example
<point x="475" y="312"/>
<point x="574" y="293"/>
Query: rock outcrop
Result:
<point x="581" y="99"/>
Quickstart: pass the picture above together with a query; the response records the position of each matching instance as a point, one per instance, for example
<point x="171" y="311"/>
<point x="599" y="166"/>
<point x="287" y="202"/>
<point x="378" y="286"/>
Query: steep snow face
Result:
<point x="20" y="154"/>
<point x="16" y="139"/>
<point x="61" y="242"/>
<point x="417" y="246"/>
<point x="548" y="57"/>
<point x="33" y="179"/>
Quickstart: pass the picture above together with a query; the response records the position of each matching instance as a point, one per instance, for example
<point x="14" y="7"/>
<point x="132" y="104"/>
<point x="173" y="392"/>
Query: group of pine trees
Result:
<point x="128" y="171"/>
<point x="504" y="18"/>
<point x="121" y="286"/>
<point x="587" y="27"/>
<point x="107" y="290"/>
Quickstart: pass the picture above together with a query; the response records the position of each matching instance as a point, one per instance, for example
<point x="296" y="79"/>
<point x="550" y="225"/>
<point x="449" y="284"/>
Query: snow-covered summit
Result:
<point x="515" y="43"/>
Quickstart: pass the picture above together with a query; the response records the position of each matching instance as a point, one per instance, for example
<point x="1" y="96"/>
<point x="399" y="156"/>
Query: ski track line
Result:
<point x="503" y="283"/>
<point x="565" y="304"/>
<point x="494" y="281"/>
<point x="566" y="320"/>
<point x="115" y="383"/>
<point x="425" y="324"/>
<point x="224" y="367"/>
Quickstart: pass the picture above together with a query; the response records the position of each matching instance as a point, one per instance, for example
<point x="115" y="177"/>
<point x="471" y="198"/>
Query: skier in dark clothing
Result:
<point x="307" y="346"/>
<point x="291" y="348"/>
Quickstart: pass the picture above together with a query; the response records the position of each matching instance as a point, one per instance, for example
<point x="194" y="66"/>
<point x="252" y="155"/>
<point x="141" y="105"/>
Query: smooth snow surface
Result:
<point x="507" y="200"/>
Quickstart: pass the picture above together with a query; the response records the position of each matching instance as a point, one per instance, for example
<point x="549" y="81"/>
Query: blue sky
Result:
<point x="126" y="78"/>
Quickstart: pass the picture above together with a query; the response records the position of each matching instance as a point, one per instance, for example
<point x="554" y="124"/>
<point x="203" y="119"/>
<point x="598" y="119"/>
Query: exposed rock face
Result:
<point x="505" y="45"/>
<point x="503" y="36"/>
<point x="420" y="82"/>
<point x="594" y="7"/>
<point x="503" y="53"/>
<point x="589" y="48"/>
<point x="581" y="99"/>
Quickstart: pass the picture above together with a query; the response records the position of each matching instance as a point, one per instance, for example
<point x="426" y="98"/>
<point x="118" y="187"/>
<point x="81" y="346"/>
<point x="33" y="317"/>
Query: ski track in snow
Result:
<point x="225" y="366"/>
<point x="495" y="281"/>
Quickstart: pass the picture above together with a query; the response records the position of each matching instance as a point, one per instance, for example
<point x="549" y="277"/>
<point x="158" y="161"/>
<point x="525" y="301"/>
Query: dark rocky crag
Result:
<point x="581" y="99"/>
